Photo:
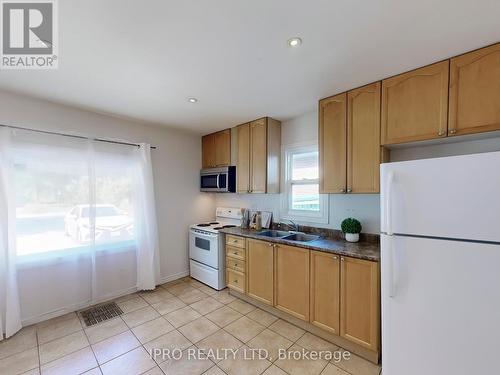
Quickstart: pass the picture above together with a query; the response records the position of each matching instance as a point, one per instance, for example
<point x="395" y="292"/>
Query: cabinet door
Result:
<point x="260" y="271"/>
<point x="363" y="139"/>
<point x="475" y="92"/>
<point x="243" y="162"/>
<point x="360" y="302"/>
<point x="332" y="144"/>
<point x="208" y="151"/>
<point x="291" y="280"/>
<point x="235" y="280"/>
<point x="325" y="291"/>
<point x="258" y="152"/>
<point x="415" y="105"/>
<point x="223" y="148"/>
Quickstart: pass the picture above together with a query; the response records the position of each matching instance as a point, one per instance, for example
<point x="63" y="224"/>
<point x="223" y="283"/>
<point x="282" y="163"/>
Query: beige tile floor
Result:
<point x="184" y="315"/>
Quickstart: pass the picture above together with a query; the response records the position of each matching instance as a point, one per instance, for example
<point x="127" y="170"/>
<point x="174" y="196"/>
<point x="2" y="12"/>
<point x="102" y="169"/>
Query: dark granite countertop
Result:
<point x="361" y="250"/>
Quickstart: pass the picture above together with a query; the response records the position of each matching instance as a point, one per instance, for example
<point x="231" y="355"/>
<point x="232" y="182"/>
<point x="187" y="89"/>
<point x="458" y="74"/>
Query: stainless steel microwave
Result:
<point x="218" y="180"/>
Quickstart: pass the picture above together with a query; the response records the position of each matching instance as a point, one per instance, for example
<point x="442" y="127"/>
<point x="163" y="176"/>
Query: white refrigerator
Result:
<point x="440" y="266"/>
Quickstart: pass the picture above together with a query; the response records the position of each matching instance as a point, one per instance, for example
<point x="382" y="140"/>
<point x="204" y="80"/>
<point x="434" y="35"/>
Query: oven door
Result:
<point x="204" y="247"/>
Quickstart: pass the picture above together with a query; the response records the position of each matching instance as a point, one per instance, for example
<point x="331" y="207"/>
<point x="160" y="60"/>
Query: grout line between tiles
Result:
<point x="196" y="287"/>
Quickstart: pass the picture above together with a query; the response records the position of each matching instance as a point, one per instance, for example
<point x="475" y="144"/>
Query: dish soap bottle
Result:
<point x="258" y="221"/>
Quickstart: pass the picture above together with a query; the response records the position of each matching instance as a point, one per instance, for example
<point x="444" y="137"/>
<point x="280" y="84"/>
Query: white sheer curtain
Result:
<point x="10" y="316"/>
<point x="148" y="249"/>
<point x="85" y="224"/>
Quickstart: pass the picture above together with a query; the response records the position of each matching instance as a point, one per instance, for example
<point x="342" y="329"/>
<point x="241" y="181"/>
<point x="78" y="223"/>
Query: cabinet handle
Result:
<point x="453" y="131"/>
<point x="349" y="190"/>
<point x="235" y="281"/>
<point x="235" y="241"/>
<point x="270" y="244"/>
<point x="235" y="252"/>
<point x="335" y="258"/>
<point x="342" y="190"/>
<point x="441" y="133"/>
<point x="342" y="259"/>
<point x="236" y="264"/>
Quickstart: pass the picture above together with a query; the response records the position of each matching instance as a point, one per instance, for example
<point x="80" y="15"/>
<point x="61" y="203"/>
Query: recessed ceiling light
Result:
<point x="192" y="100"/>
<point x="294" y="42"/>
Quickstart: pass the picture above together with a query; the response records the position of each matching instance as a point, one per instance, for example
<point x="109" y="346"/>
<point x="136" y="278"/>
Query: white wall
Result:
<point x="304" y="129"/>
<point x="176" y="165"/>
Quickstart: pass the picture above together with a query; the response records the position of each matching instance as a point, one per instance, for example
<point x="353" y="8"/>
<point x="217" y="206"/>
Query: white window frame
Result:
<point x="301" y="216"/>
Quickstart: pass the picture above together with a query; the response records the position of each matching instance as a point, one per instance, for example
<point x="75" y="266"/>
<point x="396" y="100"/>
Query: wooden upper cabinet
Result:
<point x="216" y="149"/>
<point x="243" y="159"/>
<point x="208" y="151"/>
<point x="325" y="291"/>
<point x="360" y="302"/>
<point x="258" y="155"/>
<point x="223" y="148"/>
<point x="363" y="139"/>
<point x="475" y="92"/>
<point x="291" y="280"/>
<point x="260" y="260"/>
<point x="333" y="144"/>
<point x="258" y="164"/>
<point x="415" y="105"/>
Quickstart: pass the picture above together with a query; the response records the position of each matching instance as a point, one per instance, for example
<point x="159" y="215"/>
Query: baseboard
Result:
<point x="75" y="307"/>
<point x="173" y="277"/>
<point x="81" y="305"/>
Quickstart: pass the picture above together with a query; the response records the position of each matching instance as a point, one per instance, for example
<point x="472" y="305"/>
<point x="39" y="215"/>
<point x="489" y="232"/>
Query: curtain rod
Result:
<point x="74" y="136"/>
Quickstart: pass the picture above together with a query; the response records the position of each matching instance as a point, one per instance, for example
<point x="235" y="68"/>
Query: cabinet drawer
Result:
<point x="235" y="264"/>
<point x="235" y="252"/>
<point x="235" y="241"/>
<point x="235" y="280"/>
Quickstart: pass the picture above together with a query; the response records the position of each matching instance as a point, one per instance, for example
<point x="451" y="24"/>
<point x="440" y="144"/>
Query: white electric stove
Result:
<point x="206" y="247"/>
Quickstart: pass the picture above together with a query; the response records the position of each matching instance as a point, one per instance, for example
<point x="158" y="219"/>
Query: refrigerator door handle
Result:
<point x="393" y="272"/>
<point x="388" y="203"/>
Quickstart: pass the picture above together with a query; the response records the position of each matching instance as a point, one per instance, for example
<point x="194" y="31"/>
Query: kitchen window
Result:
<point x="301" y="200"/>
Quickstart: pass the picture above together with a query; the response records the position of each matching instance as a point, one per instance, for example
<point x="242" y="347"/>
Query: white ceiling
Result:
<point x="143" y="59"/>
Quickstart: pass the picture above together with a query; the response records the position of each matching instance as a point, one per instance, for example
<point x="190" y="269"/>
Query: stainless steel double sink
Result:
<point x="283" y="235"/>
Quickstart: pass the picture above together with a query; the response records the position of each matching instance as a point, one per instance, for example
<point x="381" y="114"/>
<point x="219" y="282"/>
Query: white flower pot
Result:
<point x="352" y="237"/>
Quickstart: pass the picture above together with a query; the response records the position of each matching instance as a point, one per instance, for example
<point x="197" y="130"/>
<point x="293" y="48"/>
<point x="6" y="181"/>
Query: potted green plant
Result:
<point x="351" y="228"/>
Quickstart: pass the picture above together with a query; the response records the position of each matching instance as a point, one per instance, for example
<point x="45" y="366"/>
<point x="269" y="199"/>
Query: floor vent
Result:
<point x="100" y="313"/>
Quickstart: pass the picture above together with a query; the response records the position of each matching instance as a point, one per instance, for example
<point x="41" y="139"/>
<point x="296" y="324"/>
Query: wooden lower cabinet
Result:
<point x="325" y="291"/>
<point x="260" y="264"/>
<point x="291" y="280"/>
<point x="235" y="280"/>
<point x="235" y="263"/>
<point x="339" y="294"/>
<point x="360" y="302"/>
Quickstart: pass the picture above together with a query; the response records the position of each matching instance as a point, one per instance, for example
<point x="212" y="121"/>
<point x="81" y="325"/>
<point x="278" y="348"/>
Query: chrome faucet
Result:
<point x="293" y="225"/>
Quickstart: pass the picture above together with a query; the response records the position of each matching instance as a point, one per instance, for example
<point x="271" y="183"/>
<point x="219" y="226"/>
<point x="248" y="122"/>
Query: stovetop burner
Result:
<point x="203" y="225"/>
<point x="214" y="223"/>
